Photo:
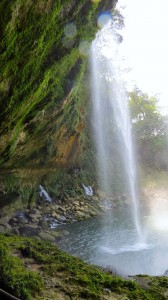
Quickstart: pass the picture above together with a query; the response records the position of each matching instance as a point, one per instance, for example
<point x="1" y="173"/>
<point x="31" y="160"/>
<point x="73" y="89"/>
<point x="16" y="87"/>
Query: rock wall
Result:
<point x="43" y="83"/>
<point x="45" y="98"/>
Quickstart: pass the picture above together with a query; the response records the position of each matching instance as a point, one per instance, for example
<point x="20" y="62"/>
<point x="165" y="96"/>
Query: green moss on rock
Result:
<point x="15" y="277"/>
<point x="38" y="72"/>
<point x="44" y="94"/>
<point x="65" y="276"/>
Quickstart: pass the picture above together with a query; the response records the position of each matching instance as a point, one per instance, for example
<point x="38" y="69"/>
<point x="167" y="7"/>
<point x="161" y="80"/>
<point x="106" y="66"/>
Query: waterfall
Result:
<point x="110" y="115"/>
<point x="88" y="190"/>
<point x="44" y="194"/>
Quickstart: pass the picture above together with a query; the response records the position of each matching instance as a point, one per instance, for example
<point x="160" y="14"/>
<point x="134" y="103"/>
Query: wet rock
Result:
<point x="3" y="228"/>
<point x="93" y="214"/>
<point x="15" y="231"/>
<point x="54" y="207"/>
<point x="47" y="236"/>
<point x="34" y="218"/>
<point x="13" y="222"/>
<point x="56" y="233"/>
<point x="35" y="212"/>
<point x="47" y="210"/>
<point x="59" y="217"/>
<point x="46" y="215"/>
<point x="58" y="239"/>
<point x="43" y="224"/>
<point x="22" y="218"/>
<point x="54" y="214"/>
<point x="83" y="209"/>
<point x="29" y="230"/>
<point x="61" y="209"/>
<point x="80" y="213"/>
<point x="87" y="216"/>
<point x="63" y="219"/>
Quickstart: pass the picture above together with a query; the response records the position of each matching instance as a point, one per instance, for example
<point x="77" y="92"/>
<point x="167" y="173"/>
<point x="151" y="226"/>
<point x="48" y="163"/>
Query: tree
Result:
<point x="150" y="128"/>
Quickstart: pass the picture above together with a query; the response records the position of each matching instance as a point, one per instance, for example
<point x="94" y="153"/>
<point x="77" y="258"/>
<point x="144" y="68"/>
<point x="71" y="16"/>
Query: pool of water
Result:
<point x="111" y="241"/>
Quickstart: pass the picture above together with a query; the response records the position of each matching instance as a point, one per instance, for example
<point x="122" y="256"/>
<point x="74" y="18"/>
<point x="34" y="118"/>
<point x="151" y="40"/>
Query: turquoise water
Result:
<point x="111" y="241"/>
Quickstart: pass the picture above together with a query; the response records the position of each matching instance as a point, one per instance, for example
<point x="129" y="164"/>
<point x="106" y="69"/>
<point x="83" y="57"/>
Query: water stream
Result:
<point x="111" y="116"/>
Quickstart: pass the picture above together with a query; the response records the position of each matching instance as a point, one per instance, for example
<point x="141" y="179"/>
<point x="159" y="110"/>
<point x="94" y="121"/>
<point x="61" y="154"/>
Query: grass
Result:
<point x="74" y="277"/>
<point x="15" y="277"/>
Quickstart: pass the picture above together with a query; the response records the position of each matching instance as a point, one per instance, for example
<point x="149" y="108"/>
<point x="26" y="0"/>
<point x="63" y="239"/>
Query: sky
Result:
<point x="145" y="45"/>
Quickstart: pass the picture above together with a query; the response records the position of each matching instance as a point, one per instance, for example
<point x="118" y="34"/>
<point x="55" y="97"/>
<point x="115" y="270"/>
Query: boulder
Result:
<point x="34" y="217"/>
<point x="29" y="230"/>
<point x="3" y="228"/>
<point x="46" y="236"/>
<point x="13" y="222"/>
<point x="43" y="224"/>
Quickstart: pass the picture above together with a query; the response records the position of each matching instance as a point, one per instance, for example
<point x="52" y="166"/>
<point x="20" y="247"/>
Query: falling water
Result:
<point x="44" y="194"/>
<point x="111" y="114"/>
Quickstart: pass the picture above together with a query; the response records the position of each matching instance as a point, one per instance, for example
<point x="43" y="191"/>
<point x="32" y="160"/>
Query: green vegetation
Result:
<point x="41" y="76"/>
<point x="150" y="129"/>
<point x="15" y="277"/>
<point x="64" y="274"/>
<point x="45" y="97"/>
<point x="44" y="94"/>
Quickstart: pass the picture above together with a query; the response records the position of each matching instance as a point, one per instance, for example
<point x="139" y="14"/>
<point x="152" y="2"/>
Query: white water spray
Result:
<point x="88" y="190"/>
<point x="111" y="114"/>
<point x="44" y="194"/>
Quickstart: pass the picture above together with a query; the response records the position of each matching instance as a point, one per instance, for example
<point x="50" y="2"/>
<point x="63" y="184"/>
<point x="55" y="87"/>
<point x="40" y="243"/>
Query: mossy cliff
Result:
<point x="44" y="93"/>
<point x="33" y="269"/>
<point x="45" y="139"/>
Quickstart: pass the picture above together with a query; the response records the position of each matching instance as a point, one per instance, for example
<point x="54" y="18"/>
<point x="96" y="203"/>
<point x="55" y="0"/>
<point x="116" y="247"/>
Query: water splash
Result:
<point x="128" y="248"/>
<point x="111" y="114"/>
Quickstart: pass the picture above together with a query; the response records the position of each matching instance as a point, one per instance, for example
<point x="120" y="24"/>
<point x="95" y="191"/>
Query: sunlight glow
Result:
<point x="145" y="45"/>
<point x="159" y="212"/>
<point x="104" y="18"/>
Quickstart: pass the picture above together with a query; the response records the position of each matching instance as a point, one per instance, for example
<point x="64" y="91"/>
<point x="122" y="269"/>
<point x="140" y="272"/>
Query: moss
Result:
<point x="45" y="92"/>
<point x="14" y="277"/>
<point x="35" y="64"/>
<point x="71" y="275"/>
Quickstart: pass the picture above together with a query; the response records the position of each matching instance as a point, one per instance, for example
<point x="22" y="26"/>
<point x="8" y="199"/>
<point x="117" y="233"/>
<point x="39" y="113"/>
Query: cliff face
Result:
<point x="44" y="91"/>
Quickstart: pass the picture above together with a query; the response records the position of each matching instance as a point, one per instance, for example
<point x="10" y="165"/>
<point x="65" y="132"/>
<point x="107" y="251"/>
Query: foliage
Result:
<point x="150" y="129"/>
